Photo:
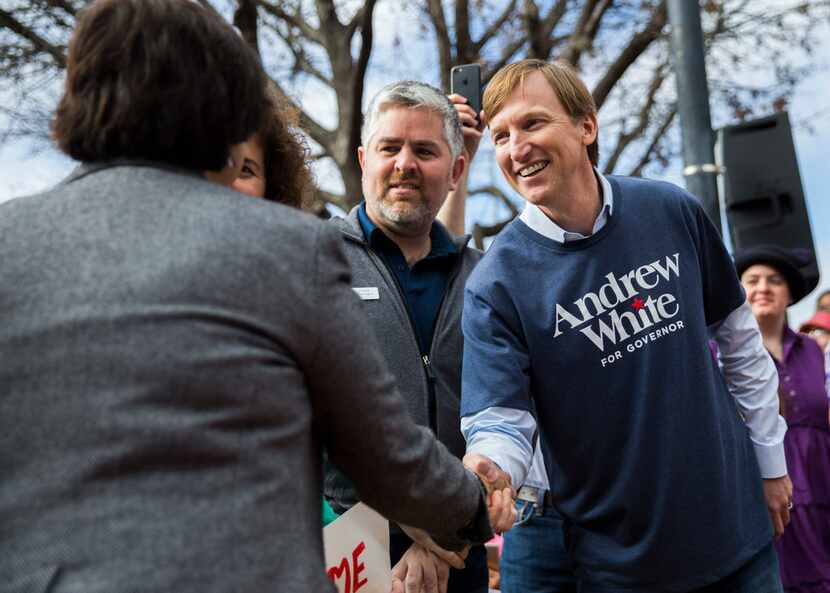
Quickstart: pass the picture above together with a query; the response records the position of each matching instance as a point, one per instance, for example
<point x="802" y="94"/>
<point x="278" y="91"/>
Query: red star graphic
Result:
<point x="638" y="303"/>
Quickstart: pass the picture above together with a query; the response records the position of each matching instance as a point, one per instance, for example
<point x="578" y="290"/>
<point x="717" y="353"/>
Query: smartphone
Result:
<point x="465" y="80"/>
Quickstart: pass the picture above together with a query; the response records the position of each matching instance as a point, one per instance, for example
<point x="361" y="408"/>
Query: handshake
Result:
<point x="425" y="566"/>
<point x="500" y="492"/>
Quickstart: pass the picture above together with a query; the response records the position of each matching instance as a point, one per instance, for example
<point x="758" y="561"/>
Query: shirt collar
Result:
<point x="441" y="242"/>
<point x="369" y="228"/>
<point x="537" y="220"/>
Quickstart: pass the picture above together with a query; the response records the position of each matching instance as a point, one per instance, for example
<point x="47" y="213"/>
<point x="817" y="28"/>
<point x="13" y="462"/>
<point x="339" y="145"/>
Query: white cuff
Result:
<point x="504" y="453"/>
<point x="771" y="460"/>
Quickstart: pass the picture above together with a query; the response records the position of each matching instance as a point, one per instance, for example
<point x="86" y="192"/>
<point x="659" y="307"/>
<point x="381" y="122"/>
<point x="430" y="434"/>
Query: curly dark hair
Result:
<point x="285" y="152"/>
<point x="161" y="80"/>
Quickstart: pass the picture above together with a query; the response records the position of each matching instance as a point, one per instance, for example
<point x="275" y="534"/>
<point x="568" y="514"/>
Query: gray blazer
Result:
<point x="173" y="356"/>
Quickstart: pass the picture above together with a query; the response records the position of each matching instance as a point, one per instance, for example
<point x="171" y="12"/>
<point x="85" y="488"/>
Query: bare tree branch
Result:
<point x="582" y="38"/>
<point x="325" y="138"/>
<point x="480" y="232"/>
<point x="302" y="63"/>
<point x="507" y="54"/>
<point x="64" y="6"/>
<point x="324" y="197"/>
<point x="358" y="80"/>
<point x="754" y="21"/>
<point x="497" y="192"/>
<point x="555" y="14"/>
<point x="626" y="137"/>
<point x="539" y="30"/>
<point x="463" y="42"/>
<point x="11" y="23"/>
<point x="637" y="171"/>
<point x="329" y="21"/>
<point x="495" y="27"/>
<point x="442" y="36"/>
<point x="635" y="48"/>
<point x="294" y="20"/>
<point x="532" y="23"/>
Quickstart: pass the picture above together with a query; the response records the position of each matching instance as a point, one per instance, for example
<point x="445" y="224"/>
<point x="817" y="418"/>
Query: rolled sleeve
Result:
<point x="504" y="435"/>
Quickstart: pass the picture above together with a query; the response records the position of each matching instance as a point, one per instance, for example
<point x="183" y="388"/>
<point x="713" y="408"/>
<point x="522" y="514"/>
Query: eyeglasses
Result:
<point x="818" y="332"/>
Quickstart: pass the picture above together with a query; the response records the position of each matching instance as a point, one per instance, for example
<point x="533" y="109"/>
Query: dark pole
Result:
<point x="700" y="170"/>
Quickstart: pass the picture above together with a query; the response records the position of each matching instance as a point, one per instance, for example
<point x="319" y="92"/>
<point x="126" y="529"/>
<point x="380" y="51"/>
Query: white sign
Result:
<point x="357" y="551"/>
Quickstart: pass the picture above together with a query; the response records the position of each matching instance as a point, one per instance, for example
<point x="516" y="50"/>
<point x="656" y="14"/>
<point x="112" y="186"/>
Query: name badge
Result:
<point x="367" y="293"/>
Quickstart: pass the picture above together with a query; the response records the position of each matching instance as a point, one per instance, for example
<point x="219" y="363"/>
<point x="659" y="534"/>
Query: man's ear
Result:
<point x="361" y="157"/>
<point x="590" y="128"/>
<point x="457" y="170"/>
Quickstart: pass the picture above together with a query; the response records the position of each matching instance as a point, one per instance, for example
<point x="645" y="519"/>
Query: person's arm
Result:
<point x="503" y="435"/>
<point x="452" y="212"/>
<point x="752" y="380"/>
<point x="495" y="389"/>
<point x="397" y="467"/>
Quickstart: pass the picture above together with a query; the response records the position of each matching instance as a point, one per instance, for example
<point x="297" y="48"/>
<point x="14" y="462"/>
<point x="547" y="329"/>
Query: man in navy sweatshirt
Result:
<point x="586" y="327"/>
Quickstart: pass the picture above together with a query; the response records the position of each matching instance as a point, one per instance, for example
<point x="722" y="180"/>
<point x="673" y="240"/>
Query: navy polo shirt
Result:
<point x="423" y="285"/>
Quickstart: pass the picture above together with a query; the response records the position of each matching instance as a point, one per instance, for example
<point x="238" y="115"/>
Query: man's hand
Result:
<point x="422" y="538"/>
<point x="472" y="126"/>
<point x="779" y="495"/>
<point x="420" y="571"/>
<point x="500" y="493"/>
<point x="491" y="474"/>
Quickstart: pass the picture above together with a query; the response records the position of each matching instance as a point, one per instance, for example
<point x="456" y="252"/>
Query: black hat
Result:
<point x="787" y="261"/>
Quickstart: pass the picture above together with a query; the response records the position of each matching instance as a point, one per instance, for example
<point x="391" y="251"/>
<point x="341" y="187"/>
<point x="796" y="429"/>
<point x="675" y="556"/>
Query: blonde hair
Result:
<point x="570" y="90"/>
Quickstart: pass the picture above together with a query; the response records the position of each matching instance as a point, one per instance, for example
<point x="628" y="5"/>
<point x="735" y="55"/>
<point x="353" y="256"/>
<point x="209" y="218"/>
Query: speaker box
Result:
<point x="763" y="196"/>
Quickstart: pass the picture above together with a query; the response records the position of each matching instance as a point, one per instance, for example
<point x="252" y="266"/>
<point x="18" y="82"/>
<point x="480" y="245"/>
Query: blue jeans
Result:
<point x="534" y="559"/>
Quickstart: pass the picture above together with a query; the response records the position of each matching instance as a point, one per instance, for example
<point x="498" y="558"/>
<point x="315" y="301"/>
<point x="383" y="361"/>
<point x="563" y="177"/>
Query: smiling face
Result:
<point x="251" y="178"/>
<point x="407" y="170"/>
<point x="767" y="291"/>
<point x="540" y="149"/>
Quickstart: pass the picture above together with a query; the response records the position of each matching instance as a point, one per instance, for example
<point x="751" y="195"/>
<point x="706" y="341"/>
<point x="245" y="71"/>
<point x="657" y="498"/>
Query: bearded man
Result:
<point x="410" y="274"/>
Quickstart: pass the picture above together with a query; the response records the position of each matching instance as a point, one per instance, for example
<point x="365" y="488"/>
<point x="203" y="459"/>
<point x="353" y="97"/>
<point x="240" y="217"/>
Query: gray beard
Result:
<point x="410" y="221"/>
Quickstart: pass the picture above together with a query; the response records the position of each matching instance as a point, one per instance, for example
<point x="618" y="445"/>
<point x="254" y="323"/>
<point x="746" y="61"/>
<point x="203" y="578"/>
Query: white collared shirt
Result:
<point x="537" y="220"/>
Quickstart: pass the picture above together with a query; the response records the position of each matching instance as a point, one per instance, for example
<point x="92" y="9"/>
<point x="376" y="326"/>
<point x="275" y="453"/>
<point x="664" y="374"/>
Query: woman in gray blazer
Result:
<point x="173" y="355"/>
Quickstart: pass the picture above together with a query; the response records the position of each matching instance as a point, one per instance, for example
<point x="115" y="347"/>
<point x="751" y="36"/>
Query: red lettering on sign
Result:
<point x="335" y="572"/>
<point x="357" y="568"/>
<point x="353" y="581"/>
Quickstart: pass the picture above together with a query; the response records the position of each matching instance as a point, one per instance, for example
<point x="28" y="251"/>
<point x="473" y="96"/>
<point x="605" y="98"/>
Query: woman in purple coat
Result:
<point x="772" y="282"/>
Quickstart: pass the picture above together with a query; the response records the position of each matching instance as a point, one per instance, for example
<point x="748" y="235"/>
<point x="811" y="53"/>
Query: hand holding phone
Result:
<point x="465" y="80"/>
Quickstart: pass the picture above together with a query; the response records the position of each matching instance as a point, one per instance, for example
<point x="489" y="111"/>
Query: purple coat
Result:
<point x="804" y="550"/>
